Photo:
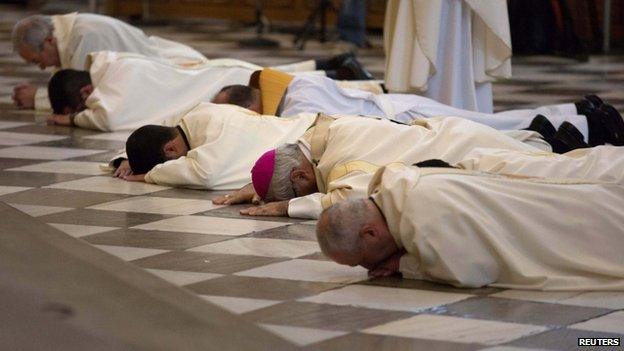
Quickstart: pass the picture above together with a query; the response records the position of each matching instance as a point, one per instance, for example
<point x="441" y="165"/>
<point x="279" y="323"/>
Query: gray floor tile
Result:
<point x="260" y="288"/>
<point x="60" y="197"/>
<point x="203" y="262"/>
<point x="101" y="218"/>
<point x="367" y="342"/>
<point x="153" y="239"/>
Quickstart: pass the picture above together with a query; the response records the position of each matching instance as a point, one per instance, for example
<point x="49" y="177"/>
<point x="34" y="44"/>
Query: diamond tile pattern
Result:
<point x="270" y="271"/>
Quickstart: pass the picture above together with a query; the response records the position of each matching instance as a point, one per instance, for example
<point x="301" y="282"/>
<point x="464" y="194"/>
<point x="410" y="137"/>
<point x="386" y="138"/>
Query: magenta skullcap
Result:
<point x="262" y="173"/>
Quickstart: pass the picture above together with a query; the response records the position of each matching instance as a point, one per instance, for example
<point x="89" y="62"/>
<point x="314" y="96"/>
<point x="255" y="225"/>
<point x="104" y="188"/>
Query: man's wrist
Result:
<point x="72" y="118"/>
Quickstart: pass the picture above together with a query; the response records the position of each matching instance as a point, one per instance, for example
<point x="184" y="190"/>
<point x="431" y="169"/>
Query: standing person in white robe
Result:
<point x="212" y="147"/>
<point x="447" y="50"/>
<point x="125" y="91"/>
<point x="471" y="229"/>
<point x="273" y="92"/>
<point x="64" y="41"/>
<point x="335" y="159"/>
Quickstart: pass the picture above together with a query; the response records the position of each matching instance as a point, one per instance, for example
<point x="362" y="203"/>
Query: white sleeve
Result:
<point x="409" y="267"/>
<point x="42" y="101"/>
<point x="308" y="206"/>
<point x="92" y="119"/>
<point x="184" y="171"/>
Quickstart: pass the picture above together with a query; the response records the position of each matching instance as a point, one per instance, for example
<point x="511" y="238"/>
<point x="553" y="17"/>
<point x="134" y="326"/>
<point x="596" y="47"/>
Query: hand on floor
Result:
<point x="277" y="209"/>
<point x="246" y="194"/>
<point x="24" y="95"/>
<point x="123" y="170"/>
<point x="59" y="120"/>
<point x="389" y="267"/>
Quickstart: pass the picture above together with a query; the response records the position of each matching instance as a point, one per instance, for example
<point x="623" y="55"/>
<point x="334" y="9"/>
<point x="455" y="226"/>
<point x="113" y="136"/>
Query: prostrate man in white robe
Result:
<point x="471" y="229"/>
<point x="335" y="159"/>
<point x="211" y="147"/>
<point x="279" y="93"/>
<point x="65" y="41"/>
<point x="125" y="91"/>
<point x="447" y="50"/>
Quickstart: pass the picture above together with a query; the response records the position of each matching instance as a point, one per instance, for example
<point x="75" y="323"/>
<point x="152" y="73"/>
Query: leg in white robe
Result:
<point x="600" y="163"/>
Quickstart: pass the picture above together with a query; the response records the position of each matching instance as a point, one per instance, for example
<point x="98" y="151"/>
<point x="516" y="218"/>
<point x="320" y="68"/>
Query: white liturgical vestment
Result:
<point x="472" y="229"/>
<point x="225" y="141"/>
<point x="131" y="90"/>
<point x="448" y="50"/>
<point x="78" y="35"/>
<point x="353" y="148"/>
<point x="315" y="93"/>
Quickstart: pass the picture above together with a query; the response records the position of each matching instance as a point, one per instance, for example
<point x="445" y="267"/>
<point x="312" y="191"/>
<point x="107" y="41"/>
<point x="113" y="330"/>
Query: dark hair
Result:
<point x="64" y="89"/>
<point x="145" y="147"/>
<point x="241" y="95"/>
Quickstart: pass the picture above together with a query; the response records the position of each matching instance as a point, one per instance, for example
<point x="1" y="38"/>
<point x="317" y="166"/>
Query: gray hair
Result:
<point x="287" y="157"/>
<point x="32" y="32"/>
<point x="343" y="223"/>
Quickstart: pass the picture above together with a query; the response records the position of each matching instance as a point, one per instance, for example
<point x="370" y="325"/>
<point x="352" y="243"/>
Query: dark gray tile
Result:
<point x="35" y="179"/>
<point x="260" y="288"/>
<point x="6" y="163"/>
<point x="82" y="143"/>
<point x="102" y="218"/>
<point x="525" y="312"/>
<point x="181" y="193"/>
<point x="367" y="342"/>
<point x="204" y="262"/>
<point x="60" y="197"/>
<point x="563" y="339"/>
<point x="294" y="232"/>
<point x="396" y="282"/>
<point x="328" y="317"/>
<point x="153" y="239"/>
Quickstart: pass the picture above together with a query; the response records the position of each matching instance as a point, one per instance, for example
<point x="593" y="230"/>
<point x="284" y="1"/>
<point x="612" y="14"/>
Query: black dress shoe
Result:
<point x="613" y="124"/>
<point x="351" y="69"/>
<point x="567" y="138"/>
<point x="594" y="99"/>
<point x="543" y="126"/>
<point x="588" y="105"/>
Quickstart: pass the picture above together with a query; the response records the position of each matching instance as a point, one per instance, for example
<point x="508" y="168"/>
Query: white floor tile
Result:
<point x="182" y="278"/>
<point x="36" y="210"/>
<point x="600" y="299"/>
<point x="261" y="247"/>
<point x="12" y="124"/>
<point x="158" y="205"/>
<point x="72" y="167"/>
<point x="78" y="231"/>
<point x="15" y="139"/>
<point x="210" y="225"/>
<point x="115" y="136"/>
<point x="308" y="270"/>
<point x="239" y="305"/>
<point x="109" y="185"/>
<point x="510" y="348"/>
<point x="455" y="329"/>
<point x="5" y="189"/>
<point x="302" y="336"/>
<point x="611" y="323"/>
<point x="386" y="298"/>
<point x="45" y="152"/>
<point x="129" y="253"/>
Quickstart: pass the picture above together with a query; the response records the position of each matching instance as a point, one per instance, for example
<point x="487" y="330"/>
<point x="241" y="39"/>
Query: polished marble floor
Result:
<point x="269" y="271"/>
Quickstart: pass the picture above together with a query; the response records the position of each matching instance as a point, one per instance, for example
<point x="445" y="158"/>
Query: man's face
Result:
<point x="303" y="180"/>
<point x="47" y="57"/>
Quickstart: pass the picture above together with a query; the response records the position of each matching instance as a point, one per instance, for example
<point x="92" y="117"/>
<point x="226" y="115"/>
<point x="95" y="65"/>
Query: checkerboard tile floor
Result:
<point x="270" y="270"/>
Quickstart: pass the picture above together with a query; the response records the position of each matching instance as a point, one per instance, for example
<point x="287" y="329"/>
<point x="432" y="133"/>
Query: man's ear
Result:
<point x="368" y="231"/>
<point x="297" y="173"/>
<point x="86" y="91"/>
<point x="170" y="149"/>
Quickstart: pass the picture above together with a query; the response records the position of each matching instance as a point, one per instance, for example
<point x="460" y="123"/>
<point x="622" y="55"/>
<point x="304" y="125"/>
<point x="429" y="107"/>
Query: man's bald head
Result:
<point x="240" y="95"/>
<point x="355" y="233"/>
